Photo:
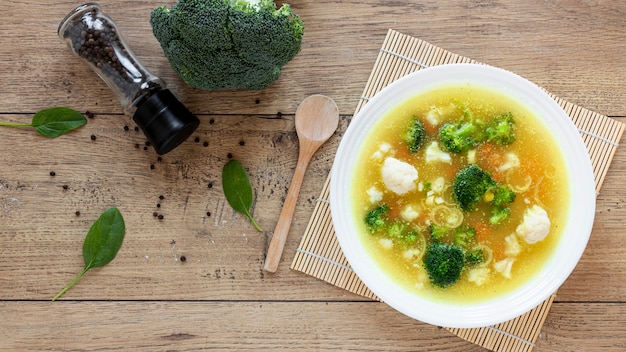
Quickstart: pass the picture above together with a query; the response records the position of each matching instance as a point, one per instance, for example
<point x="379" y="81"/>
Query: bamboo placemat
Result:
<point x="319" y="254"/>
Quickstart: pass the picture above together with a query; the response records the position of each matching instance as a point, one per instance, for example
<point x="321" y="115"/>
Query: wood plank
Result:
<point x="253" y="326"/>
<point x="556" y="44"/>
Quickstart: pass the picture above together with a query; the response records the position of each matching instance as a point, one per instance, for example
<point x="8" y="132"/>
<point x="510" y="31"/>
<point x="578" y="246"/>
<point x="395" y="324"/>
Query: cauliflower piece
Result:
<point x="383" y="149"/>
<point x="411" y="253"/>
<point x="386" y="243"/>
<point x="438" y="185"/>
<point x="535" y="226"/>
<point x="511" y="245"/>
<point x="434" y="153"/>
<point x="511" y="160"/>
<point x="478" y="275"/>
<point x="504" y="267"/>
<point x="398" y="176"/>
<point x="433" y="115"/>
<point x="375" y="195"/>
<point x="409" y="213"/>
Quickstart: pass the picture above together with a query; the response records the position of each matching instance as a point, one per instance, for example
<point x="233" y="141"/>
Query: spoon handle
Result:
<point x="275" y="249"/>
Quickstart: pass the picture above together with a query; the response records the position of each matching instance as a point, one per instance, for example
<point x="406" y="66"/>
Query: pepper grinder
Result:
<point x="94" y="37"/>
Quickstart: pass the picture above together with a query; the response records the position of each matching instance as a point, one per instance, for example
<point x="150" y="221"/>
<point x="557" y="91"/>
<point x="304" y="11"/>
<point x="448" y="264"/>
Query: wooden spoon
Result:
<point x="317" y="118"/>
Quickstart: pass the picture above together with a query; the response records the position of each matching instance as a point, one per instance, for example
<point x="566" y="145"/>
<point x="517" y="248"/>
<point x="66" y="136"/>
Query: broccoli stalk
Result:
<point x="444" y="263"/>
<point x="227" y="44"/>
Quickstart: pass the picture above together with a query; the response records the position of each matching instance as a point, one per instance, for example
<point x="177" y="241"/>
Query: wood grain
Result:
<point x="218" y="298"/>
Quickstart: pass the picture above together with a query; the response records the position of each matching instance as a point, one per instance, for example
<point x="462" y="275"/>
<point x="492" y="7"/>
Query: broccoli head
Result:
<point x="501" y="130"/>
<point x="444" y="263"/>
<point x="437" y="232"/>
<point x="464" y="235"/>
<point x="501" y="197"/>
<point x="499" y="215"/>
<point x="462" y="135"/>
<point x="470" y="185"/>
<point x="376" y="219"/>
<point x="402" y="233"/>
<point x="415" y="135"/>
<point x="227" y="44"/>
<point x="474" y="257"/>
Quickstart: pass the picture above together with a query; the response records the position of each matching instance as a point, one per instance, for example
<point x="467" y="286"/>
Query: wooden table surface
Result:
<point x="218" y="297"/>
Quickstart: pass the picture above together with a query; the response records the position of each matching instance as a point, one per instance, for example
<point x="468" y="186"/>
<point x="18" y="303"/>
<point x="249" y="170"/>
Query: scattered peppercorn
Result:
<point x="89" y="114"/>
<point x="155" y="214"/>
<point x="158" y="205"/>
<point x="151" y="166"/>
<point x="147" y="143"/>
<point x="160" y="217"/>
<point x="258" y="101"/>
<point x="52" y="173"/>
<point x="279" y="114"/>
<point x="93" y="137"/>
<point x="230" y="155"/>
<point x="206" y="144"/>
<point x="197" y="139"/>
<point x="136" y="129"/>
<point x="208" y="213"/>
<point x="145" y="148"/>
<point x="183" y="258"/>
<point x="126" y="128"/>
<point x="77" y="213"/>
<point x="65" y="186"/>
<point x="210" y="184"/>
<point x="159" y="159"/>
<point x="137" y="145"/>
<point x="161" y="197"/>
<point x="211" y="121"/>
<point x="242" y="143"/>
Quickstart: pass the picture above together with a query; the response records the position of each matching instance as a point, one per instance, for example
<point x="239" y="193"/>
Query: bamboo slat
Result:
<point x="319" y="254"/>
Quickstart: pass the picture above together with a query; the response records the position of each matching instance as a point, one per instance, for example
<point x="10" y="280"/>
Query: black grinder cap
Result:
<point x="165" y="121"/>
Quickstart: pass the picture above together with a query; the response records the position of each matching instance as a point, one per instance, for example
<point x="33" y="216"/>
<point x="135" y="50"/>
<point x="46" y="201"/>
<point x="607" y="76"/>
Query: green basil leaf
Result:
<point x="237" y="189"/>
<point x="101" y="245"/>
<point x="104" y="239"/>
<point x="57" y="121"/>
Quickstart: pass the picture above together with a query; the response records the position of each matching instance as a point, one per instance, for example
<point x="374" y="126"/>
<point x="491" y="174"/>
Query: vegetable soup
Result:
<point x="462" y="193"/>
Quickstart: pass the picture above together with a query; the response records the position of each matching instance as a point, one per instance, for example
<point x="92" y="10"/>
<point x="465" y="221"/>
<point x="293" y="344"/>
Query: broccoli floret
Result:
<point x="415" y="135"/>
<point x="437" y="232"/>
<point x="474" y="257"/>
<point x="469" y="186"/>
<point x="227" y="44"/>
<point x="462" y="135"/>
<point x="397" y="229"/>
<point x="502" y="196"/>
<point x="402" y="233"/>
<point x="444" y="263"/>
<point x="464" y="235"/>
<point x="499" y="215"/>
<point x="376" y="219"/>
<point x="501" y="130"/>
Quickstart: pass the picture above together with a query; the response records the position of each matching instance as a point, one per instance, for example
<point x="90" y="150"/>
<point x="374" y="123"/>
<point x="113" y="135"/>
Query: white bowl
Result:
<point x="558" y="267"/>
